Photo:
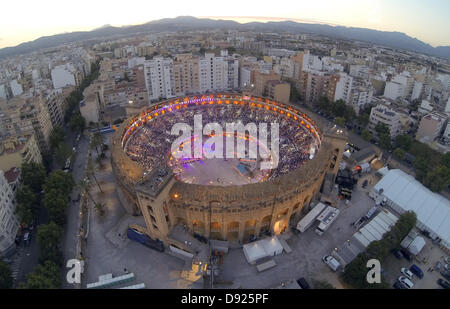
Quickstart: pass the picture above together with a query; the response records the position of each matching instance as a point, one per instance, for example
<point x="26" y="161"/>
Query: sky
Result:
<point x="23" y="21"/>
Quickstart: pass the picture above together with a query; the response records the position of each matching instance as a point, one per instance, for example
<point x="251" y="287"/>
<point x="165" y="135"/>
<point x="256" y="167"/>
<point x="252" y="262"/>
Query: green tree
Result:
<point x="445" y="160"/>
<point x="27" y="204"/>
<point x="437" y="179"/>
<point x="77" y="122"/>
<point x="90" y="171"/>
<point x="385" y="141"/>
<point x="382" y="129"/>
<point x="33" y="175"/>
<point x="56" y="204"/>
<point x="62" y="153"/>
<point x="366" y="135"/>
<point x="100" y="208"/>
<point x="399" y="153"/>
<point x="48" y="236"/>
<point x="60" y="182"/>
<point x="57" y="136"/>
<point x="6" y="279"/>
<point x="97" y="141"/>
<point x="421" y="166"/>
<point x="85" y="187"/>
<point x="44" y="276"/>
<point x="340" y="121"/>
<point x="403" y="141"/>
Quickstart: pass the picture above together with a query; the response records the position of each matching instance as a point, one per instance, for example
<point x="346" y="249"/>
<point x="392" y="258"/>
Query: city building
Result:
<point x="9" y="223"/>
<point x="63" y="75"/>
<point x="386" y="115"/>
<point x="186" y="74"/>
<point x="17" y="150"/>
<point x="278" y="90"/>
<point x="159" y="78"/>
<point x="25" y="116"/>
<point x="431" y="126"/>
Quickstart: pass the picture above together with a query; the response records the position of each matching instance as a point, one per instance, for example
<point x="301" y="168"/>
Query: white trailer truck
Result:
<point x="309" y="219"/>
<point x="326" y="218"/>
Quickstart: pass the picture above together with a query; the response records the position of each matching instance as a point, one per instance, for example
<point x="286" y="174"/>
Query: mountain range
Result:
<point x="391" y="39"/>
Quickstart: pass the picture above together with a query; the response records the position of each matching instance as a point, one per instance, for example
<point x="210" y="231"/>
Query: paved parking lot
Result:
<point x="308" y="249"/>
<point x="426" y="259"/>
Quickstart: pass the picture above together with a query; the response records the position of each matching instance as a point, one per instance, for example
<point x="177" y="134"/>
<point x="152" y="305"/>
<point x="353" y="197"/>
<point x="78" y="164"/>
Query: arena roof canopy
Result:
<point x="404" y="193"/>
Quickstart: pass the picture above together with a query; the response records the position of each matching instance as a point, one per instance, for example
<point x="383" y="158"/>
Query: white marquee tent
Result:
<point x="404" y="193"/>
<point x="262" y="248"/>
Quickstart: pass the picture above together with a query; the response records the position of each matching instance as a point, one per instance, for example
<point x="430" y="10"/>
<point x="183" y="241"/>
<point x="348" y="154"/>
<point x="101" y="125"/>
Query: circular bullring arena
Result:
<point x="241" y="167"/>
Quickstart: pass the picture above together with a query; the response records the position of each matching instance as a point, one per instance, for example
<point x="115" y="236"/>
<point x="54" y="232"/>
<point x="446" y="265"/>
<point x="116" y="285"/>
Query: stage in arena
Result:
<point x="219" y="172"/>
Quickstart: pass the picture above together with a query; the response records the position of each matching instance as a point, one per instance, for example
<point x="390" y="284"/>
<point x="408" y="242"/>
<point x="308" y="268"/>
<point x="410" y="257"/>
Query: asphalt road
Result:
<point x="69" y="241"/>
<point x="27" y="255"/>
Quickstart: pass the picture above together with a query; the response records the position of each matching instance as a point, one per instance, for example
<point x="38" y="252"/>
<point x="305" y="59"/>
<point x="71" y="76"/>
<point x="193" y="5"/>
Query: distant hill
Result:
<point x="391" y="39"/>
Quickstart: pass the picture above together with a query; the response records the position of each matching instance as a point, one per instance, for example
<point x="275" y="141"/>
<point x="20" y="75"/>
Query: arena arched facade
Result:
<point x="231" y="212"/>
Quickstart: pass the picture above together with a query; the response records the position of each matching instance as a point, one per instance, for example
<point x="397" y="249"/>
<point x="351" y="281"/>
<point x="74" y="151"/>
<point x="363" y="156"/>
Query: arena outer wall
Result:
<point x="232" y="213"/>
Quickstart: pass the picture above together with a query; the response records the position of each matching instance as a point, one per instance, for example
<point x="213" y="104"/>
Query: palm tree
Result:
<point x="97" y="140"/>
<point x="85" y="187"/>
<point x="90" y="171"/>
<point x="100" y="208"/>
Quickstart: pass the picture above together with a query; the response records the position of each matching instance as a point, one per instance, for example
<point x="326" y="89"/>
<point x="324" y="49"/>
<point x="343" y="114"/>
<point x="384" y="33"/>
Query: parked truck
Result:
<point x="309" y="219"/>
<point x="326" y="218"/>
<point x="144" y="239"/>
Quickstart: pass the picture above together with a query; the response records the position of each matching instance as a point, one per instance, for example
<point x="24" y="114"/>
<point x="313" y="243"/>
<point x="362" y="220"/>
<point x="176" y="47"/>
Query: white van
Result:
<point x="331" y="262"/>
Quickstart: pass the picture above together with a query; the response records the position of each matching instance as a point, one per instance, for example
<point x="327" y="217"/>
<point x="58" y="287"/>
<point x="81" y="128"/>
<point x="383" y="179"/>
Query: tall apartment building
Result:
<point x="56" y="105"/>
<point x="9" y="223"/>
<point x="360" y="97"/>
<point x="384" y="114"/>
<point x="159" y="78"/>
<point x="24" y="116"/>
<point x="278" y="90"/>
<point x="186" y="74"/>
<point x="315" y="84"/>
<point x="431" y="126"/>
<point x="213" y="73"/>
<point x="260" y="80"/>
<point x="17" y="150"/>
<point x="343" y="87"/>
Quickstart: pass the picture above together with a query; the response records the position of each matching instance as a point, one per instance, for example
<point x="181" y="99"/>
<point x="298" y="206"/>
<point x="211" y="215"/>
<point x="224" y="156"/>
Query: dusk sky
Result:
<point x="28" y="20"/>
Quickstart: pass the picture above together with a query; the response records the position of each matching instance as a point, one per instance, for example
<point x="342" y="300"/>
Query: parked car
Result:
<point x="397" y="253"/>
<point x="408" y="274"/>
<point x="443" y="284"/>
<point x="26" y="237"/>
<point x="303" y="283"/>
<point x="445" y="274"/>
<point x="399" y="285"/>
<point x="406" y="282"/>
<point x="416" y="271"/>
<point x="331" y="262"/>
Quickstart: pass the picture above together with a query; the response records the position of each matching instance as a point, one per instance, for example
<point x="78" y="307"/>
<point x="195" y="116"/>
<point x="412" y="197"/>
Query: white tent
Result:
<point x="262" y="248"/>
<point x="404" y="193"/>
